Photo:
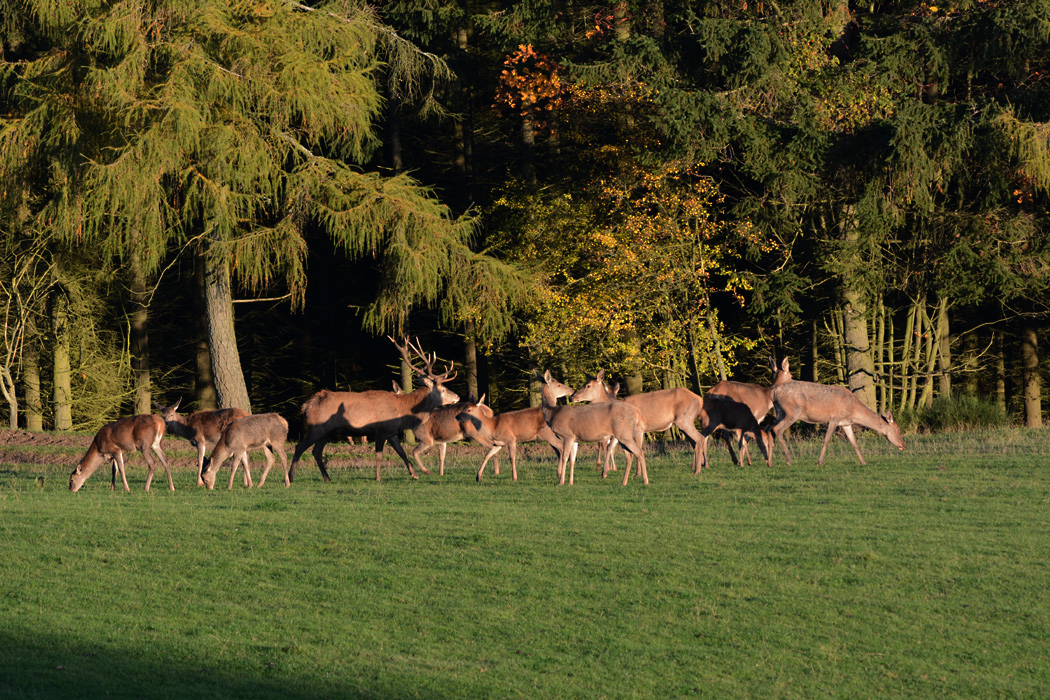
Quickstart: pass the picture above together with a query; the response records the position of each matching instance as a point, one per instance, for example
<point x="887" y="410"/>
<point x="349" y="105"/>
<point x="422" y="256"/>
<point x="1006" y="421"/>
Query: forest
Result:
<point x="236" y="201"/>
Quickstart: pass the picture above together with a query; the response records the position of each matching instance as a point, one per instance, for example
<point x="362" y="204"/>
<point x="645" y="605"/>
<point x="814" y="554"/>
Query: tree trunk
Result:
<point x="930" y="336"/>
<point x="528" y="151"/>
<point x="1000" y="371"/>
<point x="63" y="393"/>
<point x="31" y="380"/>
<point x="1032" y="383"/>
<point x="535" y="389"/>
<point x="716" y="345"/>
<point x="204" y="384"/>
<point x="139" y="340"/>
<point x="814" y="351"/>
<point x="406" y="386"/>
<point x="471" y="363"/>
<point x="10" y="391"/>
<point x="944" y="350"/>
<point x="222" y="338"/>
<point x="858" y="348"/>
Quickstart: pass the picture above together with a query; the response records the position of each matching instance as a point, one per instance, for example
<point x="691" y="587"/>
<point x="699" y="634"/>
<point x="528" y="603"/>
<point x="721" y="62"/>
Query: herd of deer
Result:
<point x="437" y="416"/>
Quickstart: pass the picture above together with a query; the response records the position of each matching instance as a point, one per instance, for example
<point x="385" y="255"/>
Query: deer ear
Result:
<point x="427" y="381"/>
<point x="547" y="377"/>
<point x="481" y="401"/>
<point x="888" y="416"/>
<point x="616" y="389"/>
<point x="785" y="366"/>
<point x="601" y="375"/>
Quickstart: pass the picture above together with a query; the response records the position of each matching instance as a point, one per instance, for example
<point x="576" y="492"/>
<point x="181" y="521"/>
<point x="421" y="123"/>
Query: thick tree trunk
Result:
<point x="858" y="349"/>
<point x="31" y="381"/>
<point x="535" y="389"/>
<point x="62" y="392"/>
<point x="471" y="363"/>
<point x="1032" y="382"/>
<point x="204" y="384"/>
<point x="222" y="339"/>
<point x="139" y="340"/>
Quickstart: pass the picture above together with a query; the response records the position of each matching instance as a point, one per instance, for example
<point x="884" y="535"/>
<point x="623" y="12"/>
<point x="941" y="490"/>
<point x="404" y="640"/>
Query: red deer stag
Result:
<point x="113" y="441"/>
<point x="201" y="428"/>
<point x="440" y="427"/>
<point x="736" y="417"/>
<point x="594" y="422"/>
<point x="380" y="414"/>
<point x="659" y="410"/>
<point x="834" y="405"/>
<point x="757" y="398"/>
<point x="506" y="429"/>
<point x="265" y="431"/>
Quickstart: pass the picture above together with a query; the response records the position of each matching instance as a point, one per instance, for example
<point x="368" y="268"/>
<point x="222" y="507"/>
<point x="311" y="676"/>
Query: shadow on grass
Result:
<point x="53" y="667"/>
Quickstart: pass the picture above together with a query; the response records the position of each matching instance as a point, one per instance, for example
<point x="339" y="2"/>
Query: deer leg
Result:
<point x="419" y="449"/>
<point x="200" y="463"/>
<point x="150" y="467"/>
<point x="318" y="452"/>
<point x="780" y="426"/>
<point x="827" y="439"/>
<point x="492" y="451"/>
<point x="284" y="460"/>
<point x="164" y="462"/>
<point x="113" y="478"/>
<point x="442" y="448"/>
<point x="233" y="467"/>
<point x="514" y="459"/>
<point x="848" y="429"/>
<point x="123" y="471"/>
<point x="396" y="444"/>
<point x="269" y="464"/>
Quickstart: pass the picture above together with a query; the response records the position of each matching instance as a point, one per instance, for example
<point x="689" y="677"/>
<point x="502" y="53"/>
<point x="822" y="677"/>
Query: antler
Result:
<point x="429" y="360"/>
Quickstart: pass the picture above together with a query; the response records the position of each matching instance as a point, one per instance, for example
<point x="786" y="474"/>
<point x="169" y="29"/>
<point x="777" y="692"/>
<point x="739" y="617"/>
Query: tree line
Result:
<point x="237" y="200"/>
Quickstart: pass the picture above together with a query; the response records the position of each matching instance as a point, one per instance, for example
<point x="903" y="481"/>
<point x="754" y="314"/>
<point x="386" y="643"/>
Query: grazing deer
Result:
<point x="143" y="433"/>
<point x="759" y="399"/>
<point x="265" y="431"/>
<point x="381" y="414"/>
<point x="659" y="410"/>
<point x="834" y="405"/>
<point x="736" y="417"/>
<point x="506" y="429"/>
<point x="201" y="428"/>
<point x="594" y="422"/>
<point x="440" y="427"/>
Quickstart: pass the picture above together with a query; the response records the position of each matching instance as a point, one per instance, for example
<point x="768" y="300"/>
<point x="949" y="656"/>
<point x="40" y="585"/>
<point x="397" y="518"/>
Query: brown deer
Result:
<point x="593" y="422"/>
<point x="143" y="433"/>
<point x="201" y="428"/>
<point x="835" y="405"/>
<point x="759" y="399"/>
<point x="380" y="414"/>
<point x="659" y="410"/>
<point x="736" y="417"/>
<point x="505" y="429"/>
<point x="265" y="431"/>
<point x="440" y="427"/>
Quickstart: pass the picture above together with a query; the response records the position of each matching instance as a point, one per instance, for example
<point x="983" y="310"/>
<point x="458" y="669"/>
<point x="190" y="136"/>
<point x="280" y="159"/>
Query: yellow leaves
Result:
<point x="530" y="83"/>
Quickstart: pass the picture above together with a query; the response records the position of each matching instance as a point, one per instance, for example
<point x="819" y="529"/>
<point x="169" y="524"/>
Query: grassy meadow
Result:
<point x="924" y="574"/>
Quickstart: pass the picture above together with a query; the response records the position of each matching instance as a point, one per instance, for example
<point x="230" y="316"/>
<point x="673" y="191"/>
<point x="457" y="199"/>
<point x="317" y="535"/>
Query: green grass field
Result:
<point x="923" y="574"/>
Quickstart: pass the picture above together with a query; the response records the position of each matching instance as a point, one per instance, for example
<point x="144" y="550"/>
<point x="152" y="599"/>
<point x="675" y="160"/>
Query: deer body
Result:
<point x="380" y="414"/>
<point x="736" y="417"/>
<point x="594" y="422"/>
<point x="439" y="427"/>
<point x="835" y="405"/>
<point x="659" y="410"/>
<point x="265" y="431"/>
<point x="758" y="399"/>
<point x="143" y="433"/>
<point x="505" y="429"/>
<point x="202" y="428"/>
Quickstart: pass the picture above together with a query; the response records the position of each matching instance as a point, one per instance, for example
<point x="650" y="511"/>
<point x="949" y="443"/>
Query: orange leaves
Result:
<point x="530" y="84"/>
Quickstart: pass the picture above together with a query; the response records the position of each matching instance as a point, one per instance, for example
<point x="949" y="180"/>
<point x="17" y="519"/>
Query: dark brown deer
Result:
<point x="732" y="417"/>
<point x="441" y="427"/>
<point x="593" y="422"/>
<point x="380" y="414"/>
<point x="759" y="399"/>
<point x="659" y="410"/>
<point x="265" y="431"/>
<point x="143" y="433"/>
<point x="506" y="429"/>
<point x="201" y="428"/>
<point x="835" y="405"/>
